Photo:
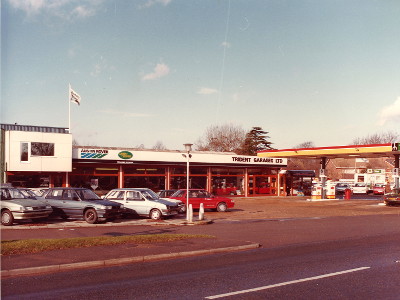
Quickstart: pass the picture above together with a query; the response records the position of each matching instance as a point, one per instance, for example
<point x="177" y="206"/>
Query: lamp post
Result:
<point x="188" y="148"/>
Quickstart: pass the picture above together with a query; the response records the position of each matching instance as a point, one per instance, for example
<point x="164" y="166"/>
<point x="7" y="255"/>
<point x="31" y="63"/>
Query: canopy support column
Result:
<point x="322" y="175"/>
<point x="396" y="173"/>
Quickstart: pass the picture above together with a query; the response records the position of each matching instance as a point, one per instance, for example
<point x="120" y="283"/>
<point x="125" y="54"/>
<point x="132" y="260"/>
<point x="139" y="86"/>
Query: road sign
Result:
<point x="395" y="146"/>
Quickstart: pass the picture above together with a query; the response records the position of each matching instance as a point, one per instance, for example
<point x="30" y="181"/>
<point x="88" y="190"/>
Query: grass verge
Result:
<point x="12" y="247"/>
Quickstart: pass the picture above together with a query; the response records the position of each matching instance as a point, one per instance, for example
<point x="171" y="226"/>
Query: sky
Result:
<point x="151" y="71"/>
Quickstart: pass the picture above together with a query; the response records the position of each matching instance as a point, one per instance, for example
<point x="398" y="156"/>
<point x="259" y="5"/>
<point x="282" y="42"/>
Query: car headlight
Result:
<point x="122" y="206"/>
<point x="48" y="206"/>
<point x="24" y="208"/>
<point x="106" y="207"/>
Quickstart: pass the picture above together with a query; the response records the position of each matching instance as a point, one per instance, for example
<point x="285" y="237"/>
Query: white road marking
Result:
<point x="286" y="283"/>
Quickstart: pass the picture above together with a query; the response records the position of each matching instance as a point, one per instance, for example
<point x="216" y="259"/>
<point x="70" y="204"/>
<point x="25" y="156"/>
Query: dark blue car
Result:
<point x="81" y="203"/>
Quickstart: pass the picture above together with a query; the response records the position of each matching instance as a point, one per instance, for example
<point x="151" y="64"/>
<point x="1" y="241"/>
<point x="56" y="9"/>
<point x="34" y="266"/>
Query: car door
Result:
<point x="55" y="198"/>
<point x="207" y="199"/>
<point x="195" y="198"/>
<point x="72" y="204"/>
<point x="138" y="203"/>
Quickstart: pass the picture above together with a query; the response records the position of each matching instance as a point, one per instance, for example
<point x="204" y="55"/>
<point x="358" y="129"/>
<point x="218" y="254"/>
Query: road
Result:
<point x="304" y="258"/>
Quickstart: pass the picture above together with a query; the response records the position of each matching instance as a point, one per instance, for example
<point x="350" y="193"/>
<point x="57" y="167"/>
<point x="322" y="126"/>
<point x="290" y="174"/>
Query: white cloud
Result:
<point x="390" y="113"/>
<point x="150" y="3"/>
<point x="65" y="9"/>
<point x="160" y="70"/>
<point x="83" y="11"/>
<point x="206" y="91"/>
<point x="226" y="44"/>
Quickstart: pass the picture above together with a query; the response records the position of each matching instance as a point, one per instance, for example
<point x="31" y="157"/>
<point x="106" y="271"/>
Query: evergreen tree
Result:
<point x="256" y="140"/>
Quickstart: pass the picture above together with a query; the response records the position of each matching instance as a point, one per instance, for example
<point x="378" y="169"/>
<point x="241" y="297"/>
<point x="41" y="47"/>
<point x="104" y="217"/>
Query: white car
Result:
<point x="14" y="206"/>
<point x="144" y="202"/>
<point x="360" y="188"/>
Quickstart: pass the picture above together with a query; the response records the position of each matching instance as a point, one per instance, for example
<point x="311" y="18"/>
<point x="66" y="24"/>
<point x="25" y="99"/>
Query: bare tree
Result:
<point x="377" y="138"/>
<point x="159" y="146"/>
<point x="304" y="163"/>
<point x="221" y="138"/>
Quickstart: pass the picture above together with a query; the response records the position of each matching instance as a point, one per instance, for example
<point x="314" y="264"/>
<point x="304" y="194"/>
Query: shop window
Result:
<point x="227" y="171"/>
<point x="42" y="149"/>
<point x="144" y="170"/>
<point x="198" y="170"/>
<point x="179" y="170"/>
<point x="228" y="185"/>
<point x="106" y="170"/>
<point x="105" y="183"/>
<point x="154" y="183"/>
<point x="83" y="170"/>
<point x="24" y="152"/>
<point x="260" y="171"/>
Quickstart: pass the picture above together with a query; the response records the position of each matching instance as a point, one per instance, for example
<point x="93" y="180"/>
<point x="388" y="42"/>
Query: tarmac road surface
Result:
<point x="363" y="268"/>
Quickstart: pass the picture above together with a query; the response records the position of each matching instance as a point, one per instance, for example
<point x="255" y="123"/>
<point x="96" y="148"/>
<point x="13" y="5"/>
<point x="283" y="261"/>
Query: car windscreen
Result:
<point x="150" y="195"/>
<point x="8" y="194"/>
<point x="27" y="193"/>
<point x="87" y="195"/>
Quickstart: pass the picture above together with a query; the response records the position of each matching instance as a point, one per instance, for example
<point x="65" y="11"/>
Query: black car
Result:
<point x="81" y="202"/>
<point x="392" y="198"/>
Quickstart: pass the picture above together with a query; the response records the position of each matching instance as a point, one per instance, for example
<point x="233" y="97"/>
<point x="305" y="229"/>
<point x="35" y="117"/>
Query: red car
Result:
<point x="379" y="189"/>
<point x="197" y="196"/>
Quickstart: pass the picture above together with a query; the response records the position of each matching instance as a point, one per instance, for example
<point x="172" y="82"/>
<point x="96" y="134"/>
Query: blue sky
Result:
<point x="165" y="70"/>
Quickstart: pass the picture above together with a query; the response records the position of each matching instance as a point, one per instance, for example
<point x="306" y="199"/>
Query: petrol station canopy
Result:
<point x="353" y="151"/>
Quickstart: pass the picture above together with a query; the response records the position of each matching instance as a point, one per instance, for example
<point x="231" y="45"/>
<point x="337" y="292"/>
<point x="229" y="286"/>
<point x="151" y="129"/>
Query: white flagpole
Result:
<point x="69" y="109"/>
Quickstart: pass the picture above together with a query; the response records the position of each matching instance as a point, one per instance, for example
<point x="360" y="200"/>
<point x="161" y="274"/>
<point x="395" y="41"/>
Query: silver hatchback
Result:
<point x="143" y="202"/>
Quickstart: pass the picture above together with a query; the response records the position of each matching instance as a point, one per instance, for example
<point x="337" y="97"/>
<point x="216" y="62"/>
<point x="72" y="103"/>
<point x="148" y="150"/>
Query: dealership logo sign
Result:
<point x="93" y="153"/>
<point x="125" y="155"/>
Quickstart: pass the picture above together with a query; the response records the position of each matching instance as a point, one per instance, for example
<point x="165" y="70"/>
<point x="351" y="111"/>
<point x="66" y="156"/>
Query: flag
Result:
<point x="74" y="96"/>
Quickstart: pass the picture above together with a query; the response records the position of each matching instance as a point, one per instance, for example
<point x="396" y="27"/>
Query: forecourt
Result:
<point x="352" y="151"/>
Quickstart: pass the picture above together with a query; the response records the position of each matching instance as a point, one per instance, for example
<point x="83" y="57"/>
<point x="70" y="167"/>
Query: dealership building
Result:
<point x="36" y="156"/>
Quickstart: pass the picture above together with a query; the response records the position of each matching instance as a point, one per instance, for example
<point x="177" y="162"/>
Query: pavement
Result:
<point x="101" y="256"/>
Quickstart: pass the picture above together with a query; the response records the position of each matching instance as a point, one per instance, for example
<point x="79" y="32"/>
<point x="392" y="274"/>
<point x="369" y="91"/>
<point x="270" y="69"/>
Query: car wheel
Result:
<point x="7" y="218"/>
<point x="222" y="207"/>
<point x="64" y="217"/>
<point x="90" y="216"/>
<point x="155" y="214"/>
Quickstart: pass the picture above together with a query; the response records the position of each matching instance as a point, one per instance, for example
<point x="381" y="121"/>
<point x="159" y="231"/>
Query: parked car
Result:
<point x="81" y="202"/>
<point x="197" y="196"/>
<point x="15" y="206"/>
<point x="378" y="189"/>
<point x="38" y="191"/>
<point x="144" y="202"/>
<point x="28" y="193"/>
<point x="392" y="198"/>
<point x="341" y="187"/>
<point x="166" y="193"/>
<point x="360" y="188"/>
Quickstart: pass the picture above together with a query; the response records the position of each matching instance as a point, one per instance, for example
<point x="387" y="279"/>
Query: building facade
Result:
<point x="43" y="156"/>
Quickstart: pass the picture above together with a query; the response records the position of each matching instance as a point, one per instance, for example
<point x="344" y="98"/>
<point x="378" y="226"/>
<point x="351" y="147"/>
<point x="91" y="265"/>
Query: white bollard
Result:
<point x="190" y="213"/>
<point x="201" y="212"/>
